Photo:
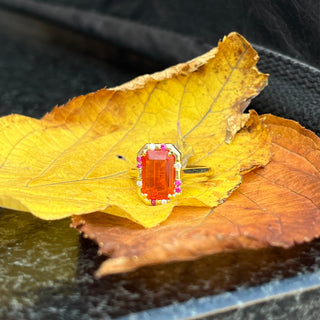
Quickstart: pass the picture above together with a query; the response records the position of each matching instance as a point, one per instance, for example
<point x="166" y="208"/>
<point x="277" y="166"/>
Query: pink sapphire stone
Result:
<point x="178" y="190"/>
<point x="178" y="183"/>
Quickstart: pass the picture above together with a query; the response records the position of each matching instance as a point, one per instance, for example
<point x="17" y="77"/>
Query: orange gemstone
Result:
<point x="158" y="174"/>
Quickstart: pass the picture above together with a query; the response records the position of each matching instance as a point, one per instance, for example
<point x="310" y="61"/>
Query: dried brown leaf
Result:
<point x="278" y="205"/>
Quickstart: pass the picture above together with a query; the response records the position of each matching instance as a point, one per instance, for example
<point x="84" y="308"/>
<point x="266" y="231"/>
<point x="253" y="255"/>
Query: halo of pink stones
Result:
<point x="155" y="162"/>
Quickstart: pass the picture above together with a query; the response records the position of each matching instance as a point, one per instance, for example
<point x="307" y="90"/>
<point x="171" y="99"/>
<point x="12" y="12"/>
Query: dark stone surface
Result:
<point x="47" y="273"/>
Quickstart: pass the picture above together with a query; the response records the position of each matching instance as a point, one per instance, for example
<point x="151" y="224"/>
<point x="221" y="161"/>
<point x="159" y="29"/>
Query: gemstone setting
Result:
<point x="159" y="173"/>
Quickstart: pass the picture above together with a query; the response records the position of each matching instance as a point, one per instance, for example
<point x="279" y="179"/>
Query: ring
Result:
<point x="159" y="173"/>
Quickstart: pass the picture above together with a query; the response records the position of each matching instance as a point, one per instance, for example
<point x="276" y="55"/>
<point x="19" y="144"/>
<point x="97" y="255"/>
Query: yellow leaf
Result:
<point x="78" y="158"/>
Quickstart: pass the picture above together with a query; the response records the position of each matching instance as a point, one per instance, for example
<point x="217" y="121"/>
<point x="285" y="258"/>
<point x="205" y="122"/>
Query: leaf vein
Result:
<point x="77" y="142"/>
<point x="298" y="154"/>
<point x="125" y="135"/>
<point x="287" y="188"/>
<point x="218" y="95"/>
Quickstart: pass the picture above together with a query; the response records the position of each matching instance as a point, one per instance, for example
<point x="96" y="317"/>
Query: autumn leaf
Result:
<point x="79" y="157"/>
<point x="278" y="205"/>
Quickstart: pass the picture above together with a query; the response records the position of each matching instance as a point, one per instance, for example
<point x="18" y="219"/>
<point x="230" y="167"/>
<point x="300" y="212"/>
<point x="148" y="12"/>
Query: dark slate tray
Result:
<point x="47" y="269"/>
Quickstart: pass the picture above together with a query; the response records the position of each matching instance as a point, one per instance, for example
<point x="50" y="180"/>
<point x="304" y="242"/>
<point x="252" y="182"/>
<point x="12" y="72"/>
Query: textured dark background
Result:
<point x="53" y="50"/>
<point x="288" y="26"/>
